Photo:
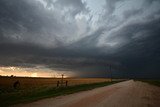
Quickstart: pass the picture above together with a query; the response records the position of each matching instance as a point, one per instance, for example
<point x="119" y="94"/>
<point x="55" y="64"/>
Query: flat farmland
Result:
<point x="33" y="88"/>
<point x="31" y="82"/>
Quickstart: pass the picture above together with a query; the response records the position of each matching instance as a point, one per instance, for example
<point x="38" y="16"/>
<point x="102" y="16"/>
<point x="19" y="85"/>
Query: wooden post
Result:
<point x="111" y="73"/>
<point x="66" y="83"/>
<point x="57" y="83"/>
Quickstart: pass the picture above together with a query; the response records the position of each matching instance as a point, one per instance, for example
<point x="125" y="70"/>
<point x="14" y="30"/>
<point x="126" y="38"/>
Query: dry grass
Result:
<point x="32" y="89"/>
<point x="32" y="82"/>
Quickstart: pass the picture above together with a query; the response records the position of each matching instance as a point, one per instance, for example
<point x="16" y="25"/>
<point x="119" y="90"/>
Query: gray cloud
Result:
<point x="75" y="6"/>
<point x="132" y="13"/>
<point x="61" y="35"/>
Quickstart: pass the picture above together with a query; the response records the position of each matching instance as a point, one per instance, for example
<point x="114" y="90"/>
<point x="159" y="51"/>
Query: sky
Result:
<point x="80" y="38"/>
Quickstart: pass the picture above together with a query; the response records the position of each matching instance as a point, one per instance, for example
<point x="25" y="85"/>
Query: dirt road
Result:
<point x="124" y="94"/>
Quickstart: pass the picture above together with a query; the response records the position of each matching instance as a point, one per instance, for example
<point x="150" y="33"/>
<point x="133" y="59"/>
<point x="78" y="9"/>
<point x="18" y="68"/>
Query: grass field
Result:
<point x="32" y="89"/>
<point x="45" y="92"/>
<point x="7" y="83"/>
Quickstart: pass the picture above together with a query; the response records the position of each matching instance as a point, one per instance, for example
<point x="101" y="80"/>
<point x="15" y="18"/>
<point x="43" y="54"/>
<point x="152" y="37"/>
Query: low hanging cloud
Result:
<point x="67" y="35"/>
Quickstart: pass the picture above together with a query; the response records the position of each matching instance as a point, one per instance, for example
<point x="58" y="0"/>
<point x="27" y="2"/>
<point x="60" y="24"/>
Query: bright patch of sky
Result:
<point x="39" y="71"/>
<point x="96" y="8"/>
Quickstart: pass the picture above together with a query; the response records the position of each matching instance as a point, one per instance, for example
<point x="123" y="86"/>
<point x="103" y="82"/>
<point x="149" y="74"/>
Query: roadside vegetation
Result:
<point x="150" y="81"/>
<point x="153" y="82"/>
<point x="24" y="96"/>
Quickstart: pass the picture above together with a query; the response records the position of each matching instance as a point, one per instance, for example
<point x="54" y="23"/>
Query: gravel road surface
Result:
<point x="124" y="94"/>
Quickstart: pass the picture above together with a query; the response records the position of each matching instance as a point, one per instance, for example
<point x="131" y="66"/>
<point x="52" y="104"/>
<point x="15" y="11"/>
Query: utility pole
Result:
<point x="110" y="73"/>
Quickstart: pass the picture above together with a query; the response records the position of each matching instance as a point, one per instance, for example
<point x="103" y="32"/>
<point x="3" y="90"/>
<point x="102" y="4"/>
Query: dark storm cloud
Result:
<point x="59" y="36"/>
<point x="24" y="22"/>
<point x="141" y="53"/>
<point x="31" y="22"/>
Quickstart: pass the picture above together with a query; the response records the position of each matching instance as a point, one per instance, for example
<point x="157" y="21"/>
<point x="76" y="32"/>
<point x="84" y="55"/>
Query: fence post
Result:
<point x="66" y="83"/>
<point x="57" y="83"/>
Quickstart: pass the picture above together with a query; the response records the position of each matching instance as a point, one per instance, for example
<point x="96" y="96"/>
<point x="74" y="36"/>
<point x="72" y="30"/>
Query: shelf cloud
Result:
<point x="82" y="36"/>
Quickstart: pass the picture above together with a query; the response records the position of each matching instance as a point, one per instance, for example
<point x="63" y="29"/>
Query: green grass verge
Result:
<point x="152" y="82"/>
<point x="24" y="96"/>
